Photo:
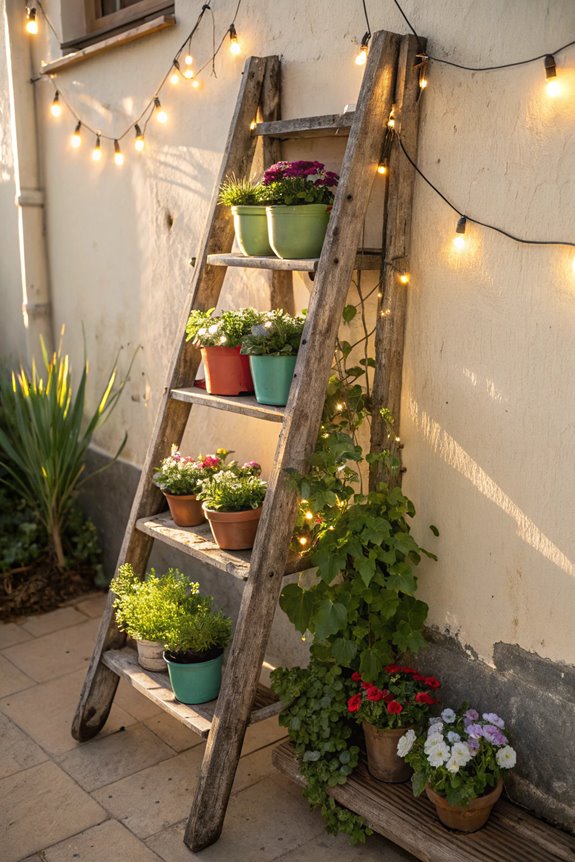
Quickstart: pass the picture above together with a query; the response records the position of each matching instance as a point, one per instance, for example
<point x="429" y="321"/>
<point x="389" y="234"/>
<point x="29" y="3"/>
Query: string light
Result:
<point x="459" y="238"/>
<point x="188" y="59"/>
<point x="253" y="125"/>
<point x="76" y="138"/>
<point x="309" y="515"/>
<point x="383" y="169"/>
<point x="303" y="541"/>
<point x="340" y="407"/>
<point x="160" y="113"/>
<point x="196" y="84"/>
<point x="188" y="74"/>
<point x="235" y="47"/>
<point x="404" y="278"/>
<point x="552" y="84"/>
<point x="175" y="76"/>
<point x="31" y="25"/>
<point x="56" y="107"/>
<point x="97" y="151"/>
<point x="139" y="142"/>
<point x="118" y="154"/>
<point x="361" y="56"/>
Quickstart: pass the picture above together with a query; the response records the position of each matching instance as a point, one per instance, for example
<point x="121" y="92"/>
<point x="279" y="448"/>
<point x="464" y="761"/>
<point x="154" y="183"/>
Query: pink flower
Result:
<point x="354" y="703"/>
<point x="211" y="461"/>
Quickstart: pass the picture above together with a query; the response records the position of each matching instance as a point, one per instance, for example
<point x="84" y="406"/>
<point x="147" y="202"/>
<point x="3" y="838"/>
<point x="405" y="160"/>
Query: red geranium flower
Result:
<point x="356" y="677"/>
<point x="392" y="668"/>
<point x="354" y="703"/>
<point x="374" y="693"/>
<point x="365" y="684"/>
<point x="419" y="677"/>
<point x="394" y="707"/>
<point x="405" y="669"/>
<point x="424" y="697"/>
<point x="432" y="682"/>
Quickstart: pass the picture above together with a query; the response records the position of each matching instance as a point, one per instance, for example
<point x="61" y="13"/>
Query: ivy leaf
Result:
<point x="299" y="605"/>
<point x="369" y="666"/>
<point x="385" y="604"/>
<point x="345" y="348"/>
<point x="402" y="579"/>
<point x="331" y="617"/>
<point x="408" y="639"/>
<point x="366" y="568"/>
<point x="349" y="313"/>
<point x="344" y="651"/>
<point x="418" y="782"/>
<point x="311" y="756"/>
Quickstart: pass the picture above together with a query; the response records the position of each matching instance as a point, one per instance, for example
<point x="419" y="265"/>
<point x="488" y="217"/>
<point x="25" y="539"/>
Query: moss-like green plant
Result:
<point x="242" y="192"/>
<point x="200" y="636"/>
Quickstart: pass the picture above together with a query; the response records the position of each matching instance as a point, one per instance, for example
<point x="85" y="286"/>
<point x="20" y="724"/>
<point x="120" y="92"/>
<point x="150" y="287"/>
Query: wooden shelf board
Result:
<point x="328" y="125"/>
<point x="156" y="687"/>
<point x="367" y="259"/>
<point x="198" y="542"/>
<point x="245" y="404"/>
<point x="392" y="811"/>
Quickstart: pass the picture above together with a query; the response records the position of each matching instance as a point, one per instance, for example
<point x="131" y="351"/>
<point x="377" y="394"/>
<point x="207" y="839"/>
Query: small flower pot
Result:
<point x="234" y="531"/>
<point x="151" y="655"/>
<point x="297" y="231"/>
<point x="383" y="761"/>
<point x="251" y="227"/>
<point x="185" y="509"/>
<point x="469" y="818"/>
<point x="227" y="371"/>
<point x="272" y="376"/>
<point x="195" y="682"/>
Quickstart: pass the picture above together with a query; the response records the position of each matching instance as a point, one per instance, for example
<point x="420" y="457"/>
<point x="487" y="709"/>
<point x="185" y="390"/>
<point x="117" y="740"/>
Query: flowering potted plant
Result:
<point x="219" y="338"/>
<point x="300" y="197"/>
<point x="459" y="761"/>
<point x="179" y="478"/>
<point x="400" y="702"/>
<point x="247" y="200"/>
<point x="272" y="347"/>
<point x="232" y="501"/>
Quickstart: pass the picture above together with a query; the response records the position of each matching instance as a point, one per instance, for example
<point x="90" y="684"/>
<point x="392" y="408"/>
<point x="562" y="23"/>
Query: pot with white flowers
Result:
<point x="232" y="501"/>
<point x="179" y="477"/>
<point x="272" y="346"/>
<point x="397" y="704"/>
<point x="460" y="761"/>
<point x="219" y="338"/>
<point x="247" y="199"/>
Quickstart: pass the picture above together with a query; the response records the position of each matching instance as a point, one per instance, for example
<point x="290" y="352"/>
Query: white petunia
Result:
<point x="434" y="720"/>
<point x="213" y="328"/>
<point x="438" y="755"/>
<point x="506" y="757"/>
<point x="432" y="741"/>
<point x="405" y="743"/>
<point x="453" y="765"/>
<point x="448" y="716"/>
<point x="453" y="736"/>
<point x="435" y="728"/>
<point x="461" y="753"/>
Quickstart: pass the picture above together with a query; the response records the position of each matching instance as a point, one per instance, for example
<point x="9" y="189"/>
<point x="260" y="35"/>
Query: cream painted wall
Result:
<point x="489" y="404"/>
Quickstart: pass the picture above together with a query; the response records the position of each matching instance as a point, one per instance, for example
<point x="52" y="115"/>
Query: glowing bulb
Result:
<point x="161" y="115"/>
<point x="459" y="238"/>
<point x="97" y="151"/>
<point x="235" y="47"/>
<point x="391" y="123"/>
<point x="423" y="83"/>
<point x="76" y="138"/>
<point x="361" y="56"/>
<point x="188" y="59"/>
<point x="56" y="107"/>
<point x="196" y="84"/>
<point x="175" y="78"/>
<point x="339" y="407"/>
<point x="253" y="124"/>
<point x="188" y="74"/>
<point x="552" y="86"/>
<point x="404" y="278"/>
<point x="118" y="154"/>
<point x="303" y="541"/>
<point x="382" y="169"/>
<point x="31" y="25"/>
<point x="308" y="516"/>
<point x="139" y="142"/>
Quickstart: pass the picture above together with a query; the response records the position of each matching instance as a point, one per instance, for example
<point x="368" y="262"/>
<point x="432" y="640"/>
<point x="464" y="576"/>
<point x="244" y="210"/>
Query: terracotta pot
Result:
<point x="383" y="761"/>
<point x="234" y="531"/>
<point x="468" y="819"/>
<point x="151" y="655"/>
<point x="185" y="509"/>
<point x="227" y="371"/>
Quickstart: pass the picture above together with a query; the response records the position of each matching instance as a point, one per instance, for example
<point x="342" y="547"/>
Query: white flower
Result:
<point x="453" y="736"/>
<point x="461" y="753"/>
<point x="202" y="331"/>
<point x="436" y="727"/>
<point x="268" y="324"/>
<point x="506" y="757"/>
<point x="223" y="339"/>
<point x="434" y="720"/>
<point x="405" y="743"/>
<point x="213" y="328"/>
<point x="453" y="764"/>
<point x="493" y="718"/>
<point x="448" y="716"/>
<point x="438" y="755"/>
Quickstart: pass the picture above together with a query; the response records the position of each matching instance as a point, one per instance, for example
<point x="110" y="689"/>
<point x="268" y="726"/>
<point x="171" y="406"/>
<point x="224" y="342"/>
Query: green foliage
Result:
<point x="198" y="634"/>
<point x="22" y="537"/>
<point x="44" y="438"/>
<point x="224" y="330"/>
<point x="400" y="697"/>
<point x="229" y="492"/>
<point x="182" y="475"/>
<point x="242" y="192"/>
<point x="314" y="713"/>
<point x="277" y="334"/>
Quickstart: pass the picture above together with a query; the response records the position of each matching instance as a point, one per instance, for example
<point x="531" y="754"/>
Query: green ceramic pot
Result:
<point x="297" y="232"/>
<point x="197" y="682"/>
<point x="272" y="376"/>
<point x="251" y="227"/>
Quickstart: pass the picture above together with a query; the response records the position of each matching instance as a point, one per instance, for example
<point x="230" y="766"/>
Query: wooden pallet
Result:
<point x="511" y="834"/>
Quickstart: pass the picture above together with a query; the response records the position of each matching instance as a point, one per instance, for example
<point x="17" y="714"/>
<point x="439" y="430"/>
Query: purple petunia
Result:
<point x="470" y="716"/>
<point x="473" y="746"/>
<point x="493" y="718"/>
<point x="475" y="731"/>
<point x="493" y="734"/>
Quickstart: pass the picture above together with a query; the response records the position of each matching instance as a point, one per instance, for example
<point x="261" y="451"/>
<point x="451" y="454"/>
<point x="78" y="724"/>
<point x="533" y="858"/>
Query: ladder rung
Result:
<point x="198" y="542"/>
<point x="156" y="687"/>
<point x="245" y="404"/>
<point x="366" y="259"/>
<point x="328" y="125"/>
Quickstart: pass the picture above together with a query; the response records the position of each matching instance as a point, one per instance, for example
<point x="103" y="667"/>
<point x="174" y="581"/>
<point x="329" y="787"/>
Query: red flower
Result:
<point x="392" y="668"/>
<point x="356" y="677"/>
<point x="365" y="684"/>
<point x="424" y="697"/>
<point x="354" y="703"/>
<point x="405" y="669"/>
<point x="418" y="677"/>
<point x="394" y="707"/>
<point x="374" y="693"/>
<point x="432" y="682"/>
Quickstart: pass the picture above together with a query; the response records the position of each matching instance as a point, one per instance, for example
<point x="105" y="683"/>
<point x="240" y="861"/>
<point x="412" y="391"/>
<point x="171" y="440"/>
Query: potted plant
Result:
<point x="300" y="197"/>
<point x="194" y="641"/>
<point x="247" y="199"/>
<point x="232" y="501"/>
<point x="144" y="607"/>
<point x="179" y="478"/>
<point x="272" y="347"/>
<point x="219" y="338"/>
<point x="386" y="711"/>
<point x="459" y="761"/>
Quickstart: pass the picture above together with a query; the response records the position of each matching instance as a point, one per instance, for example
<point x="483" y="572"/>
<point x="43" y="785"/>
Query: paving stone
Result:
<point x="55" y="654"/>
<point x="45" y="624"/>
<point x="45" y="712"/>
<point x="135" y="703"/>
<point x="41" y="806"/>
<point x="106" y="759"/>
<point x="93" y="606"/>
<point x="11" y="678"/>
<point x="172" y="732"/>
<point x="108" y="841"/>
<point x="10" y="633"/>
<point x="18" y="750"/>
<point x="326" y="848"/>
<point x="263" y="733"/>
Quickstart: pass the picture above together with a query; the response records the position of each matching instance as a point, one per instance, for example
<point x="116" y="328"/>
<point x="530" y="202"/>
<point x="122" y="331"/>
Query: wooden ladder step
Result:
<point x="326" y="126"/>
<point x="511" y="835"/>
<point x="367" y="259"/>
<point x="156" y="687"/>
<point x="198" y="542"/>
<point x="245" y="404"/>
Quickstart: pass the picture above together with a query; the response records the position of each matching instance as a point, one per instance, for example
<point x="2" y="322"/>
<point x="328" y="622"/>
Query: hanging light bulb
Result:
<point x="118" y="154"/>
<point x="56" y="107"/>
<point x="76" y="138"/>
<point x="383" y="168"/>
<point x="97" y="151"/>
<point x="139" y="142"/>
<point x="423" y="82"/>
<point x="188" y="59"/>
<point x="188" y="74"/>
<point x="303" y="541"/>
<point x="552" y="85"/>
<point x="161" y="115"/>
<point x="175" y="76"/>
<point x="235" y="47"/>
<point x="31" y="25"/>
<point x="196" y="84"/>
<point x="309" y="515"/>
<point x="459" y="238"/>
<point x="361" y="56"/>
<point x="404" y="277"/>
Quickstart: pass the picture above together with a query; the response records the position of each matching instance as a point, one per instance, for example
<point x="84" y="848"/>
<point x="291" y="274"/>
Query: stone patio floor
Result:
<point x="125" y="795"/>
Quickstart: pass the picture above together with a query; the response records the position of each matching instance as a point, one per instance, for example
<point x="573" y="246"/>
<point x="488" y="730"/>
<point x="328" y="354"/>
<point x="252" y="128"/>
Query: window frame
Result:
<point x="98" y="23"/>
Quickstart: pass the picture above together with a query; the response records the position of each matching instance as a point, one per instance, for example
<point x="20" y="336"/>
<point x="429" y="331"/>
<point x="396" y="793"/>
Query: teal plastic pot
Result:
<point x="197" y="682"/>
<point x="297" y="232"/>
<point x="272" y="376"/>
<point x="251" y="227"/>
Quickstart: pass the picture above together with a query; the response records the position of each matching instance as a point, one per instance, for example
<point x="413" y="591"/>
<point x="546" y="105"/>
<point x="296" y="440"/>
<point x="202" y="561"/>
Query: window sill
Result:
<point x="162" y="22"/>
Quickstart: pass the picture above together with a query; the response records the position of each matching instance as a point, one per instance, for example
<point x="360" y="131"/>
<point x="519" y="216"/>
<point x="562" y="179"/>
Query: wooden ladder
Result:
<point x="242" y="700"/>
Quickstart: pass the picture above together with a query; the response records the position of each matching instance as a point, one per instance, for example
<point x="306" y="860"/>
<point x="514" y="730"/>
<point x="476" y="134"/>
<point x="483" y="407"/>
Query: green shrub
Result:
<point x="201" y="635"/>
<point x="228" y="492"/>
<point x="277" y="334"/>
<point x="225" y="330"/>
